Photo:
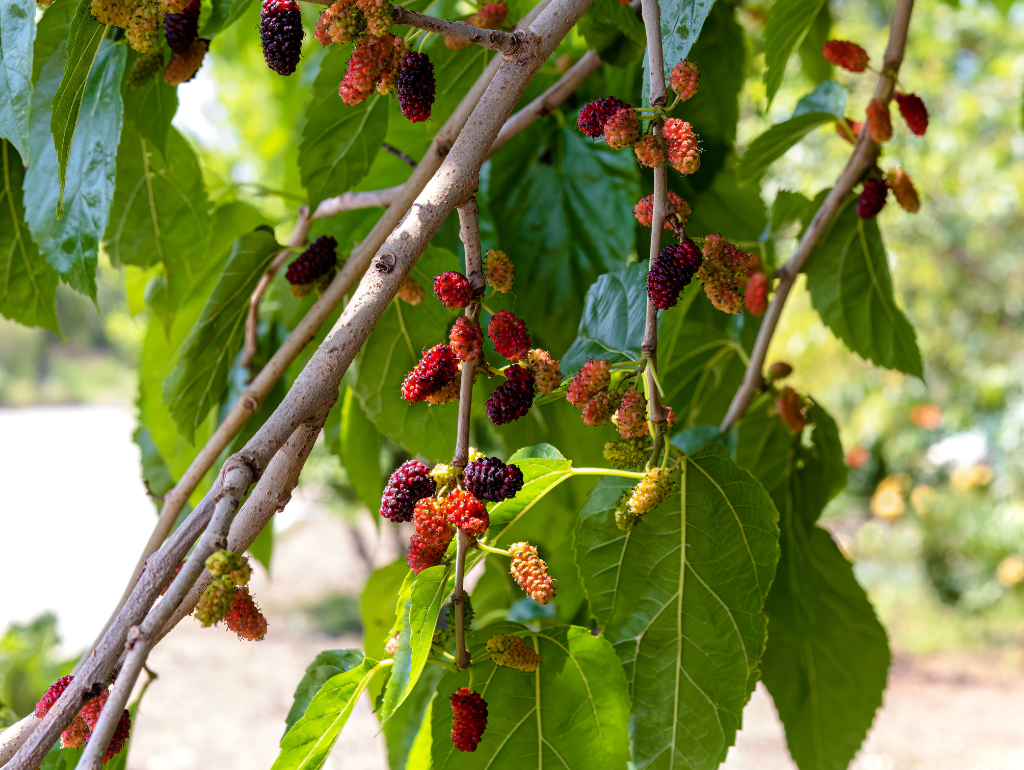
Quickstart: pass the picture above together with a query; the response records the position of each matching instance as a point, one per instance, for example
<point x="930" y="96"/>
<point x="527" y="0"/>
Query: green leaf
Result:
<point x="851" y="288"/>
<point x="787" y="208"/>
<point x="377" y="603"/>
<point x="359" y="451"/>
<point x="150" y="108"/>
<point x="200" y="379"/>
<point x="536" y="452"/>
<point x="402" y="730"/>
<point x="309" y="741"/>
<point x="614" y="318"/>
<point x="339" y="142"/>
<point x="681" y="23"/>
<point x="17" y="34"/>
<point x="28" y="284"/>
<point x="326" y="665"/>
<point x="827" y="97"/>
<point x="812" y="61"/>
<point x="572" y="712"/>
<point x="614" y="31"/>
<point x="398" y="340"/>
<point x="71" y="243"/>
<point x="776" y="142"/>
<point x="84" y="36"/>
<point x="222" y="15"/>
<point x="51" y="32"/>
<point x="681" y="599"/>
<point x="787" y="25"/>
<point x="826" y="681"/>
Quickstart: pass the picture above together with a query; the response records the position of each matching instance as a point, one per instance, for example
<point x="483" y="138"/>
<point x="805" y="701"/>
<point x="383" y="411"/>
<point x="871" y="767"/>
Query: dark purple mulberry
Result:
<point x="512" y="399"/>
<point x="406" y="487"/>
<point x="416" y="87"/>
<point x="672" y="272"/>
<point x="490" y="479"/>
<point x="872" y="198"/>
<point x="593" y="116"/>
<point x="181" y="29"/>
<point x="281" y="34"/>
<point x="318" y="260"/>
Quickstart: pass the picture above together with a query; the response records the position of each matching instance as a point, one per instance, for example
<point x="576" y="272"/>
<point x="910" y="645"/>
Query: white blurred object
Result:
<point x="962" y="449"/>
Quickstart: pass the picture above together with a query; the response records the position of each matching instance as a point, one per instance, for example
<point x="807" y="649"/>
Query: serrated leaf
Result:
<point x="776" y="142"/>
<point x="84" y="36"/>
<point x="398" y="340"/>
<point x="200" y="379"/>
<point x="681" y="23"/>
<point x="614" y="318"/>
<point x="51" y="32"/>
<point x="851" y="288"/>
<point x="787" y="208"/>
<point x="827" y="97"/>
<point x="403" y="729"/>
<point x="787" y="25"/>
<point x="614" y="31"/>
<point x="359" y="451"/>
<point x="17" y="34"/>
<point x="681" y="599"/>
<point x="377" y="602"/>
<point x="151" y="108"/>
<point x="71" y="243"/>
<point x="28" y="284"/>
<point x="572" y="712"/>
<point x="326" y="665"/>
<point x="812" y="61"/>
<point x="339" y="141"/>
<point x="309" y="741"/>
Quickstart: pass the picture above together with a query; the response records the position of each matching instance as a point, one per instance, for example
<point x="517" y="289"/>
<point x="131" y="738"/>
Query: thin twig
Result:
<point x="398" y="154"/>
<point x="863" y="157"/>
<point x="494" y="39"/>
<point x="350" y="201"/>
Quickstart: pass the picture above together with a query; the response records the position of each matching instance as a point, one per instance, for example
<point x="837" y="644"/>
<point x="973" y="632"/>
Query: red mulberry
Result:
<point x="245" y="618"/>
<point x="490" y="479"/>
<point x="755" y="298"/>
<point x="313" y="266"/>
<point x="491" y="16"/>
<point x="340" y="23"/>
<point x="872" y="198"/>
<point x="547" y="374"/>
<point x="423" y="555"/>
<point x="453" y="289"/>
<point x="281" y="34"/>
<point x="531" y="572"/>
<point x="790" y="407"/>
<point x="593" y="116"/>
<point x="466" y="339"/>
<point x="903" y="189"/>
<point x="416" y="87"/>
<point x="848" y="129"/>
<point x="431" y="520"/>
<point x="369" y="57"/>
<point x="684" y="79"/>
<point x="406" y="487"/>
<point x="435" y="370"/>
<point x="724" y="268"/>
<point x="622" y="129"/>
<point x="677" y="207"/>
<point x="467" y="513"/>
<point x="879" y="122"/>
<point x="845" y="54"/>
<point x="180" y="29"/>
<point x="649" y="152"/>
<point x="509" y="335"/>
<point x="601" y="406"/>
<point x="513" y="652"/>
<point x="446" y="393"/>
<point x="631" y="417"/>
<point x="500" y="272"/>
<point x="593" y="377"/>
<point x="50" y="696"/>
<point x="469" y="718"/>
<point x="913" y="111"/>
<point x="120" y="736"/>
<point x="683" y="147"/>
<point x="512" y="399"/>
<point x="183" y="66"/>
<point x="75" y="735"/>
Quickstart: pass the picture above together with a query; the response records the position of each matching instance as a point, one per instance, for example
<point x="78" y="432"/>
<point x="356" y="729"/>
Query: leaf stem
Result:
<point x="607" y="472"/>
<point x="443" y="664"/>
<point x="491" y="549"/>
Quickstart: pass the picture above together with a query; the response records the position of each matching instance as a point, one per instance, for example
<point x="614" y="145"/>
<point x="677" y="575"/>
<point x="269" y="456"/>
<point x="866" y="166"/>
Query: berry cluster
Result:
<point x="245" y="618"/>
<point x="513" y="652"/>
<point x="644" y="497"/>
<point x="436" y="369"/>
<point x="683" y="146"/>
<point x="183" y="66"/>
<point x="84" y="722"/>
<point x="372" y="65"/>
<point x="675" y="218"/>
<point x="140" y="19"/>
<point x="492" y="480"/>
<point x="406" y="487"/>
<point x="724" y="273"/>
<point x="628" y="453"/>
<point x="453" y="290"/>
<point x="876" y="189"/>
<point x="467" y="513"/>
<point x="547" y="374"/>
<point x="181" y="31"/>
<point x="684" y="79"/>
<point x="490" y="16"/>
<point x="227" y="598"/>
<point x="416" y="87"/>
<point x="469" y="718"/>
<point x="509" y="335"/>
<point x="671" y="272"/>
<point x="512" y="399"/>
<point x="531" y="573"/>
<point x="500" y="272"/>
<point x="593" y="117"/>
<point x="281" y="34"/>
<point x="466" y="338"/>
<point x="314" y="268"/>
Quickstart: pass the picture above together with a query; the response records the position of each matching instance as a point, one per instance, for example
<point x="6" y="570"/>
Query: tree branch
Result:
<point x="864" y="156"/>
<point x="398" y="154"/>
<point x="494" y="39"/>
<point x="350" y="201"/>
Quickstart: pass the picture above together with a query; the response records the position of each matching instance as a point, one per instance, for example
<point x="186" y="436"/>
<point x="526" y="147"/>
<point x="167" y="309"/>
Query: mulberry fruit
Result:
<point x="622" y="129"/>
<point x="513" y="652"/>
<point x="116" y="13"/>
<point x="780" y="370"/>
<point x="903" y="189"/>
<point x="500" y="272"/>
<point x="245" y="618"/>
<point x="651" y="491"/>
<point x="75" y="735"/>
<point x="435" y="370"/>
<point x="649" y="152"/>
<point x="755" y="298"/>
<point x="547" y="374"/>
<point x="431" y="521"/>
<point x="50" y="696"/>
<point x="369" y="57"/>
<point x="872" y="198"/>
<point x="467" y="513"/>
<point x="441" y="637"/>
<point x="671" y="272"/>
<point x="228" y="564"/>
<point x="790" y="407"/>
<point x="313" y="266"/>
<point x="630" y="453"/>
<point x="624" y="518"/>
<point x="387" y="83"/>
<point x="378" y="14"/>
<point x="684" y="79"/>
<point x="391" y="646"/>
<point x="182" y="27"/>
<point x="183" y="66"/>
<point x="411" y="291"/>
<point x="176" y="571"/>
<point x="631" y="417"/>
<point x="406" y="487"/>
<point x="143" y="28"/>
<point x="423" y="555"/>
<point x="683" y="147"/>
<point x="491" y="16"/>
<point x="281" y="34"/>
<point x="90" y="712"/>
<point x="593" y="116"/>
<point x="416" y="87"/>
<point x="879" y="122"/>
<point x="677" y="208"/>
<point x="593" y="377"/>
<point x="490" y="479"/>
<point x="724" y="267"/>
<point x="145" y="68"/>
<point x="845" y="54"/>
<point x="120" y="736"/>
<point x="531" y="572"/>
<point x="453" y="289"/>
<point x="340" y="23"/>
<point x="177" y="6"/>
<point x="467" y="610"/>
<point x="215" y="602"/>
<point x="913" y="111"/>
<point x="513" y="398"/>
<point x="848" y="129"/>
<point x="469" y="718"/>
<point x="466" y="339"/>
<point x="600" y="407"/>
<point x="509" y="335"/>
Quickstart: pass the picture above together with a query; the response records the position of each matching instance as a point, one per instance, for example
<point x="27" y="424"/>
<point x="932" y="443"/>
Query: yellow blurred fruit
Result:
<point x="887" y="502"/>
<point x="1010" y="571"/>
<point x="922" y="499"/>
<point x="964" y="479"/>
